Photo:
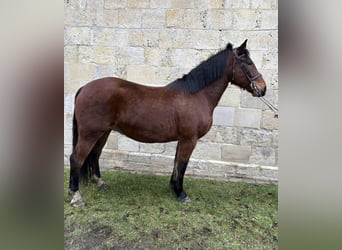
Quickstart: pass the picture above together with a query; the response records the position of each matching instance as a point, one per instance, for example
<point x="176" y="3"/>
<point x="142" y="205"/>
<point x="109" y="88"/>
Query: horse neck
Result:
<point x="214" y="91"/>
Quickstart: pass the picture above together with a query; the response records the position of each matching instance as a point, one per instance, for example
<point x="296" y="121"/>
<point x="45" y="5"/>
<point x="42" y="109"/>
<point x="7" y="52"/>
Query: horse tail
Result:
<point x="74" y="124"/>
<point x="84" y="172"/>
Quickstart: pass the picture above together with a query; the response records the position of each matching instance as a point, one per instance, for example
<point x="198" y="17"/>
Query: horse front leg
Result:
<point x="183" y="153"/>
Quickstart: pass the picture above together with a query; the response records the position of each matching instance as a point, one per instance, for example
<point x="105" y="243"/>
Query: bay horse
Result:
<point x="180" y="111"/>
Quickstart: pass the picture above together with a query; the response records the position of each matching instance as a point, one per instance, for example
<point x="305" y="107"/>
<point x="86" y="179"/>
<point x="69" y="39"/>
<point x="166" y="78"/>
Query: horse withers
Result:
<point x="180" y="111"/>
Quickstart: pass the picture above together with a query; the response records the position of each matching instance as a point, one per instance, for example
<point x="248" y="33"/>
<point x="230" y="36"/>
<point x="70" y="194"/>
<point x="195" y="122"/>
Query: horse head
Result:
<point x="245" y="74"/>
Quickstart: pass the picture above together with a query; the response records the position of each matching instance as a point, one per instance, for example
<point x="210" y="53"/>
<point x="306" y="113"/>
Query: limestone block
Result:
<point x="207" y="151"/>
<point x="222" y="134"/>
<point x="68" y="121"/>
<point x="248" y="101"/>
<point x="79" y="72"/>
<point x="115" y="4"/>
<point x="197" y="167"/>
<point x="139" y="157"/>
<point x="130" y="18"/>
<point x="107" y="18"/>
<point x="96" y="54"/>
<point x="156" y="56"/>
<point x="250" y="171"/>
<point x="170" y="148"/>
<point x="70" y="87"/>
<point x="70" y="54"/>
<point x="195" y="19"/>
<point x="174" y="18"/>
<point x="69" y="104"/>
<point x="110" y="70"/>
<point x="269" y="19"/>
<point x="67" y="136"/>
<point x="236" y="153"/>
<point x="256" y="137"/>
<point x="153" y="18"/>
<point x="247" y="118"/>
<point x="138" y="3"/>
<point x="268" y="121"/>
<point x="209" y="4"/>
<point x="155" y="148"/>
<point x="110" y="37"/>
<point x="231" y="97"/>
<point x="182" y="4"/>
<point x="165" y="75"/>
<point x="112" y="142"/>
<point x="264" y="40"/>
<point x="161" y="159"/>
<point x="205" y="39"/>
<point x="246" y="19"/>
<point x="151" y="38"/>
<point x="165" y="4"/>
<point x="236" y="37"/>
<point x="270" y="60"/>
<point x="127" y="144"/>
<point x="256" y="56"/>
<point x="94" y="5"/>
<point x="115" y="155"/>
<point x="275" y="141"/>
<point x="175" y="38"/>
<point x="141" y="74"/>
<point x="238" y="4"/>
<point x="135" y="37"/>
<point x="221" y="168"/>
<point x="263" y="156"/>
<point x="67" y="153"/>
<point x="129" y="55"/>
<point x="269" y="172"/>
<point x="77" y="17"/>
<point x="187" y="58"/>
<point x="77" y="36"/>
<point x="223" y="116"/>
<point x="264" y="4"/>
<point x="219" y="19"/>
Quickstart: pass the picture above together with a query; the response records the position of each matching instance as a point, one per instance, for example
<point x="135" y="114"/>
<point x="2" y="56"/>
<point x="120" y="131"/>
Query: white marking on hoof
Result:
<point x="99" y="182"/>
<point x="77" y="200"/>
<point x="184" y="200"/>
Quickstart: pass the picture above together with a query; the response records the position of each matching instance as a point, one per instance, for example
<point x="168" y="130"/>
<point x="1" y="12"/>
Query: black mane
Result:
<point x="204" y="74"/>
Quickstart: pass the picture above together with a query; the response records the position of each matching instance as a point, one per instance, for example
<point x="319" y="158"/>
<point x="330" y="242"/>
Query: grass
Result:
<point x="139" y="211"/>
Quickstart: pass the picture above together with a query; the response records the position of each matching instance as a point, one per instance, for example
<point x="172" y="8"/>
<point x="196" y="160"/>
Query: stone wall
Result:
<point x="155" y="42"/>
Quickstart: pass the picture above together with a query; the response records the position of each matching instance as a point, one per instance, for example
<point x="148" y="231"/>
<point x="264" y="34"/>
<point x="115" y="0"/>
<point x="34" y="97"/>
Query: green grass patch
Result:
<point x="139" y="211"/>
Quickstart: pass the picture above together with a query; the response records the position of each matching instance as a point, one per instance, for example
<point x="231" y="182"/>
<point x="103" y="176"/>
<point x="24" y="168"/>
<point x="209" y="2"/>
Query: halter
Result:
<point x="251" y="81"/>
<point x="246" y="73"/>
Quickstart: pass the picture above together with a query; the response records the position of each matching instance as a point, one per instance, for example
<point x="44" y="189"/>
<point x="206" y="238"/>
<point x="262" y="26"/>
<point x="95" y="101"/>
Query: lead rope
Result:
<point x="274" y="109"/>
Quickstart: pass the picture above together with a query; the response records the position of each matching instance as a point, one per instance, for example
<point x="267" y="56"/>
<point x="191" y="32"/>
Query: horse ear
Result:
<point x="242" y="47"/>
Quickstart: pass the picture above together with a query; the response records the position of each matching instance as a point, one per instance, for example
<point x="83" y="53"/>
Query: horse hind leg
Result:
<point x="77" y="160"/>
<point x="94" y="158"/>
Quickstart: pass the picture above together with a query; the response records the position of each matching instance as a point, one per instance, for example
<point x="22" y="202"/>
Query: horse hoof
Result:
<point x="103" y="187"/>
<point x="79" y="203"/>
<point x="77" y="200"/>
<point x="185" y="199"/>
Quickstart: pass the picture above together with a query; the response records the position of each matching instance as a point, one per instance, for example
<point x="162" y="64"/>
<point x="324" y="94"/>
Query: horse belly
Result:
<point x="147" y="126"/>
